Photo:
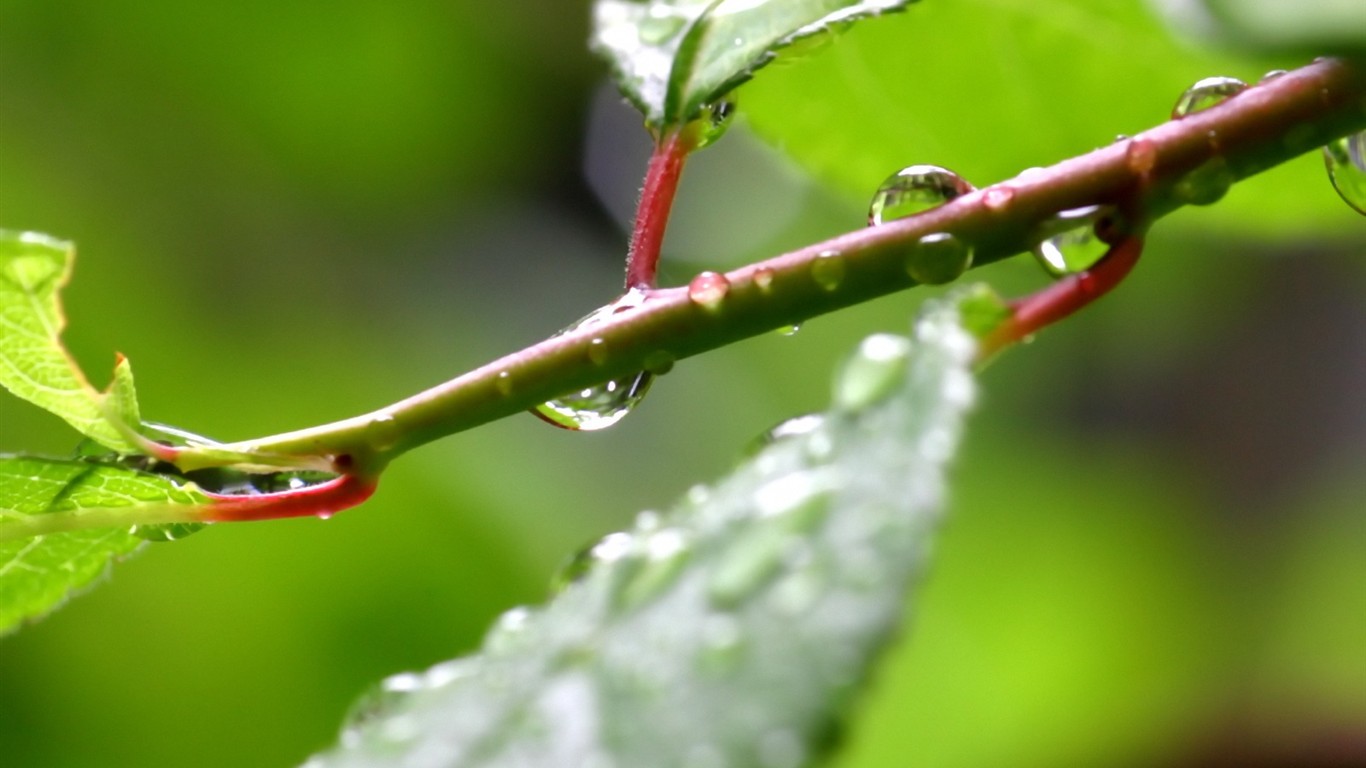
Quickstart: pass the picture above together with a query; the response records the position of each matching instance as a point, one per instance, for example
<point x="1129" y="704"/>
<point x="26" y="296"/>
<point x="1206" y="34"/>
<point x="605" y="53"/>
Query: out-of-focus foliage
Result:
<point x="306" y="212"/>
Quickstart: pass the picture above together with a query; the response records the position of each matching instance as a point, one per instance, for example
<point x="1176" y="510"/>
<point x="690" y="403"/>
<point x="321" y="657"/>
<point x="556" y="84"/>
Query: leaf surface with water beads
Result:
<point x="733" y="630"/>
<point x="33" y="363"/>
<point x="672" y="57"/>
<point x="43" y="558"/>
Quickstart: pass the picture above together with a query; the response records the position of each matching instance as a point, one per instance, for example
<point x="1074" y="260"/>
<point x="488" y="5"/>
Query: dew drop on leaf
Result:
<point x="372" y="705"/>
<point x="788" y="330"/>
<point x="1346" y="161"/>
<point x="609" y="549"/>
<point x="828" y="269"/>
<point x="1071" y="245"/>
<point x="602" y="405"/>
<point x="1207" y="93"/>
<point x="873" y="372"/>
<point x="665" y="553"/>
<point x="914" y="189"/>
<point x="938" y="258"/>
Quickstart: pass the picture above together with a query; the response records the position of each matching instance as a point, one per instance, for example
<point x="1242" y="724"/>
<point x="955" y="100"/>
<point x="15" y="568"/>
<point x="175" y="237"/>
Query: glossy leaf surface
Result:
<point x="673" y="56"/>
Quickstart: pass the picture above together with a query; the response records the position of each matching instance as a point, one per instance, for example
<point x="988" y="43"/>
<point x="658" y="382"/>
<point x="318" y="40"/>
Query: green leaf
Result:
<point x="989" y="88"/>
<point x="734" y="630"/>
<point x="62" y="521"/>
<point x="671" y="57"/>
<point x="33" y="363"/>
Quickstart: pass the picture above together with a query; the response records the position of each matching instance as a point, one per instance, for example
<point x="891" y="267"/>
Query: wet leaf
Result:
<point x="671" y="57"/>
<point x="33" y="363"/>
<point x="1304" y="27"/>
<point x="734" y="630"/>
<point x="63" y="521"/>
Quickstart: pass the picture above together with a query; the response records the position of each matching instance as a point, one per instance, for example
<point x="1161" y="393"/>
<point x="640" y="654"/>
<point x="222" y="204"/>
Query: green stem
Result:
<point x="1256" y="130"/>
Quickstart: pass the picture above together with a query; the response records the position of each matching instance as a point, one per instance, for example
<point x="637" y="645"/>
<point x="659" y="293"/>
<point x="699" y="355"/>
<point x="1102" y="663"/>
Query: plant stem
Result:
<point x="652" y="212"/>
<point x="1255" y="130"/>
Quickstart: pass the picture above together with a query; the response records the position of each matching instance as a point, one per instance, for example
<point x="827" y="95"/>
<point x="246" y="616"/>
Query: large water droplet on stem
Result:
<point x="1346" y="161"/>
<point x="1071" y="245"/>
<point x="938" y="258"/>
<point x="914" y="189"/>
<point x="1207" y="93"/>
<point x="600" y="406"/>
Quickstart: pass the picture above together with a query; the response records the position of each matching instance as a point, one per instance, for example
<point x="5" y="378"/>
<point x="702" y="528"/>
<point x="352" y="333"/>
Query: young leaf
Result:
<point x="33" y="363"/>
<point x="42" y="558"/>
<point x="733" y="631"/>
<point x="671" y="57"/>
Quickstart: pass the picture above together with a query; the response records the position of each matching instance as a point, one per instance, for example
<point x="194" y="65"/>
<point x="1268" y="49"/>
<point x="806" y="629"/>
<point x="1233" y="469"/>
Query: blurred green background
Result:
<point x="291" y="213"/>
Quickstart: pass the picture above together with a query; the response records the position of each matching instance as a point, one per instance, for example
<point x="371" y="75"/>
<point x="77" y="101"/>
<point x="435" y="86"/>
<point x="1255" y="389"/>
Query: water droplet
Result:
<point x="997" y="198"/>
<point x="666" y="552"/>
<point x="788" y="330"/>
<point x="1141" y="156"/>
<point x="1071" y="244"/>
<point x="1207" y="93"/>
<point x="378" y="702"/>
<point x="609" y="549"/>
<point x="597" y="351"/>
<point x="914" y="189"/>
<point x="1272" y="75"/>
<point x="1346" y="162"/>
<point x="723" y="645"/>
<point x="763" y="278"/>
<point x="1206" y="184"/>
<point x="873" y="372"/>
<point x="938" y="258"/>
<point x="660" y="24"/>
<point x="600" y="406"/>
<point x="659" y="362"/>
<point x="752" y="559"/>
<point x="708" y="290"/>
<point x="503" y="383"/>
<point x="828" y="269"/>
<point x="715" y="119"/>
<point x="166" y="531"/>
<point x="382" y="432"/>
<point x="509" y="632"/>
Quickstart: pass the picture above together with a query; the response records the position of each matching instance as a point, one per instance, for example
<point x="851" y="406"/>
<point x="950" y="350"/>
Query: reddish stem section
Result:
<point x="321" y="500"/>
<point x="652" y="214"/>
<point x="1038" y="310"/>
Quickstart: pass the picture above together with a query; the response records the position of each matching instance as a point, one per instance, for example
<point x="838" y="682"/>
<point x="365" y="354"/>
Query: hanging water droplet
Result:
<point x="828" y="269"/>
<point x="166" y="531"/>
<point x="1070" y="245"/>
<point x="708" y="290"/>
<point x="938" y="258"/>
<point x="1346" y="162"/>
<point x="600" y="406"/>
<point x="763" y="278"/>
<point x="788" y="330"/>
<point x="1207" y="93"/>
<point x="597" y="351"/>
<point x="503" y="383"/>
<point x="716" y="117"/>
<point x="873" y="372"/>
<point x="1206" y="184"/>
<point x="914" y="189"/>
<point x="659" y="362"/>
